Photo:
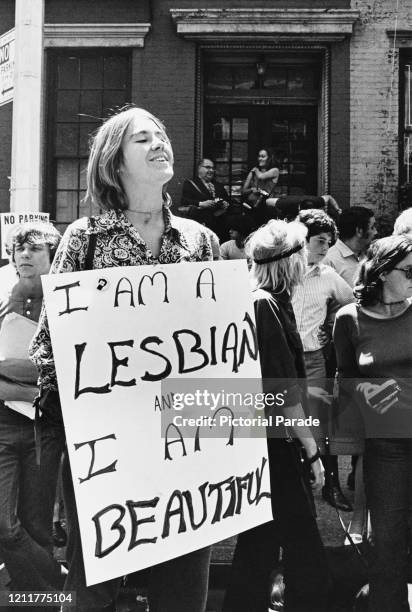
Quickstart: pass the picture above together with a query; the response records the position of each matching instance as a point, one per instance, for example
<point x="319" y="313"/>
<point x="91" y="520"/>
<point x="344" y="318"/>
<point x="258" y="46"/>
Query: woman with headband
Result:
<point x="278" y="253"/>
<point x="374" y="356"/>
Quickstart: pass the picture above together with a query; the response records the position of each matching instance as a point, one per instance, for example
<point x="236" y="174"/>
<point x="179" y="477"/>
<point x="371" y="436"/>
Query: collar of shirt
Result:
<point x="344" y="250"/>
<point x="20" y="292"/>
<point x="209" y="185"/>
<point x="313" y="270"/>
<point x="115" y="219"/>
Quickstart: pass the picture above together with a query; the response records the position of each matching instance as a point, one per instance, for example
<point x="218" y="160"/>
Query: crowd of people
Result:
<point x="333" y="318"/>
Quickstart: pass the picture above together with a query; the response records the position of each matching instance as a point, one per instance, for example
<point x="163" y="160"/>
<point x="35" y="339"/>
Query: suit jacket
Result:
<point x="195" y="191"/>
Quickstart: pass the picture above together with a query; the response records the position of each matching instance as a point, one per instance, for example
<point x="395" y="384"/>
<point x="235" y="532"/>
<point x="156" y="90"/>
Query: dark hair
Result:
<point x="382" y="256"/>
<point x="353" y="218"/>
<point x="317" y="222"/>
<point x="36" y="232"/>
<point x="271" y="161"/>
<point x="240" y="223"/>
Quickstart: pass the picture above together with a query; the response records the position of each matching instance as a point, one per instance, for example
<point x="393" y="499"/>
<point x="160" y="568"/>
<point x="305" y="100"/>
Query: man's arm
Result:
<point x="193" y="197"/>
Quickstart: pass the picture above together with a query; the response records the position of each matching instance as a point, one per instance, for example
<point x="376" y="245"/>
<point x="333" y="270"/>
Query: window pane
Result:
<point x="280" y="128"/>
<point x="112" y="101"/>
<point x="221" y="151"/>
<point x="239" y="151"/>
<point x="67" y="174"/>
<point x="245" y="77"/>
<point x="66" y="140"/>
<point x="66" y="206"/>
<point x="222" y="173"/>
<point x="275" y="80"/>
<point x="83" y="169"/>
<point x="219" y="77"/>
<point x="67" y="106"/>
<point x="408" y="95"/>
<point x="240" y="128"/>
<point x="221" y="129"/>
<point x="301" y="81"/>
<point x="239" y="171"/>
<point x="92" y="72"/>
<point x="86" y="131"/>
<point x="91" y="105"/>
<point x="297" y="130"/>
<point x="298" y="169"/>
<point x="85" y="210"/>
<point x="115" y="72"/>
<point x="68" y="72"/>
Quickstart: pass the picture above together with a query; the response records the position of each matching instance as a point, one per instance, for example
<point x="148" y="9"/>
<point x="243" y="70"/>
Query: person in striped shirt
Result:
<point x="315" y="302"/>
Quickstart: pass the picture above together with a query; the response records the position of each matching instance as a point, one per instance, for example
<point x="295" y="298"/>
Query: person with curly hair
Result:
<point x="315" y="303"/>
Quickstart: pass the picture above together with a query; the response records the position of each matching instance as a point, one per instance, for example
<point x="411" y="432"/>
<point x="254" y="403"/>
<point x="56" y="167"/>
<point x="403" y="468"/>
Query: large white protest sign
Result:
<point x="144" y="498"/>
<point x="9" y="220"/>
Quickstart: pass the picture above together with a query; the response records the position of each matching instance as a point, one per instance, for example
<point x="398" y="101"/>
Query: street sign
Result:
<point x="6" y="67"/>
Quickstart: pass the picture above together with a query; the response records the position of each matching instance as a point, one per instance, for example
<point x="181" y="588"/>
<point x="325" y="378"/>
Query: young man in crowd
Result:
<point x="357" y="229"/>
<point x="239" y="229"/>
<point x="28" y="467"/>
<point x="315" y="302"/>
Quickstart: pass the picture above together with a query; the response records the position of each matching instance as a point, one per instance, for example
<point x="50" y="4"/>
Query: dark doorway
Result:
<point x="233" y="135"/>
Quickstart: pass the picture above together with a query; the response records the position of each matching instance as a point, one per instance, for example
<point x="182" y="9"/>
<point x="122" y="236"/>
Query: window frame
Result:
<point x="50" y="167"/>
<point x="404" y="130"/>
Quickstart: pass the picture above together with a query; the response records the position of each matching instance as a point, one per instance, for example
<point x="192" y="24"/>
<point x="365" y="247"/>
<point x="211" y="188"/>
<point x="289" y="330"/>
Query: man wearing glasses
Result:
<point x="205" y="200"/>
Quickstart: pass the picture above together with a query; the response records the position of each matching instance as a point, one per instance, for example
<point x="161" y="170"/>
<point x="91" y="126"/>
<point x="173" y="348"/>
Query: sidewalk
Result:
<point x="133" y="598"/>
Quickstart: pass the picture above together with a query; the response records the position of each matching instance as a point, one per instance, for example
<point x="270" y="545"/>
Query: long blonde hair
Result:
<point x="104" y="187"/>
<point x="273" y="239"/>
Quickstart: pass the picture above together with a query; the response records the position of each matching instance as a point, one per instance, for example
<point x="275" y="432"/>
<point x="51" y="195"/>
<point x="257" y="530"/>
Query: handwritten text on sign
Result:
<point x="116" y="335"/>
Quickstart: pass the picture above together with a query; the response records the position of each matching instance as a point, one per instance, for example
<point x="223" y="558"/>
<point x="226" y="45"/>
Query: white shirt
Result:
<point x="230" y="250"/>
<point x="317" y="299"/>
<point x="344" y="261"/>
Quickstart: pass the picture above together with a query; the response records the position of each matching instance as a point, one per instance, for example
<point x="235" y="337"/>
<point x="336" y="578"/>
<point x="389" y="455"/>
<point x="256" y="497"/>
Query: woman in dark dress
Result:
<point x="279" y="260"/>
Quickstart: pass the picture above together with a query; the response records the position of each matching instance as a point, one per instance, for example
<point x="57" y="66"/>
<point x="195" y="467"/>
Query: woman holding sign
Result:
<point x="131" y="161"/>
<point x="278" y="253"/>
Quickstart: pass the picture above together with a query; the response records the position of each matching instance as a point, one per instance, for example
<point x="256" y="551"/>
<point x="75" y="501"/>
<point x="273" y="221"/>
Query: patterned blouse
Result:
<point x="117" y="244"/>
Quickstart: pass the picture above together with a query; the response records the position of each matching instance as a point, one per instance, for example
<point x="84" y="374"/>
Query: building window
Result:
<point x="407" y="122"/>
<point x="84" y="87"/>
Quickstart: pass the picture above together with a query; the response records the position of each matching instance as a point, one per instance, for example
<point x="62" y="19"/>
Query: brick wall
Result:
<point x="164" y="74"/>
<point x="6" y="23"/>
<point x="374" y="128"/>
<point x="339" y="132"/>
<point x="96" y="11"/>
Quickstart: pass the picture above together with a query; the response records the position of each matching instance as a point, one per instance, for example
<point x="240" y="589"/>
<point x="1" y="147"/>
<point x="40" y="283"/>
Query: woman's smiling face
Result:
<point x="147" y="152"/>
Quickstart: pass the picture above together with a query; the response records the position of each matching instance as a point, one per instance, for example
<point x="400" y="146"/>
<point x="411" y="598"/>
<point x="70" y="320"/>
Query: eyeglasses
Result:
<point x="407" y="271"/>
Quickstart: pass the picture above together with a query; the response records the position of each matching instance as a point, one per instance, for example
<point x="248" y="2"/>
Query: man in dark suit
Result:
<point x="203" y="199"/>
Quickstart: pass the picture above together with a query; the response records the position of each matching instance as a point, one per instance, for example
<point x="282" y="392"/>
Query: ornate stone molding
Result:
<point x="207" y="25"/>
<point x="95" y="34"/>
<point x="323" y="135"/>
